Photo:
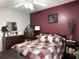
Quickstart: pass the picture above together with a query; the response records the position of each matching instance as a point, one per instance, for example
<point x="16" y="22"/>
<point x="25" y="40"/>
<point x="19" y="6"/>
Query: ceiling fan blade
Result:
<point x="41" y="4"/>
<point x="18" y="5"/>
<point x="31" y="6"/>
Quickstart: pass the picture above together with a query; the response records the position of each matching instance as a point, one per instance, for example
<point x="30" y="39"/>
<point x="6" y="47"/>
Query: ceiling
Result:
<point x="49" y="3"/>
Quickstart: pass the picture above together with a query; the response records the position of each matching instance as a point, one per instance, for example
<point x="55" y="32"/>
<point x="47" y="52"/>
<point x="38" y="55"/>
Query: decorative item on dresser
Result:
<point x="4" y="30"/>
<point x="11" y="40"/>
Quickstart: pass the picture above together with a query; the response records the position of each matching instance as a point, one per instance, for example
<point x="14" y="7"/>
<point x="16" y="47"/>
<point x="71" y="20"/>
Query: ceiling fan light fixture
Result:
<point x="29" y="6"/>
<point x="28" y="1"/>
<point x="26" y="5"/>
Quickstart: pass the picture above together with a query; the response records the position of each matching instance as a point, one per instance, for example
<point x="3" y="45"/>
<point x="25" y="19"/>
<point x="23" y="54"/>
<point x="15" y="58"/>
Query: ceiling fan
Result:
<point x="29" y="4"/>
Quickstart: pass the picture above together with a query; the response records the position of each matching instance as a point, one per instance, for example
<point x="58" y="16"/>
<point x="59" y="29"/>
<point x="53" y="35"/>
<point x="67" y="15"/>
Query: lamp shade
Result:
<point x="37" y="28"/>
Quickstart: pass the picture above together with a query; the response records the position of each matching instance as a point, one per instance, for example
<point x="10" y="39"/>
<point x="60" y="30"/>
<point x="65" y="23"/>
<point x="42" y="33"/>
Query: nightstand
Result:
<point x="70" y="46"/>
<point x="70" y="50"/>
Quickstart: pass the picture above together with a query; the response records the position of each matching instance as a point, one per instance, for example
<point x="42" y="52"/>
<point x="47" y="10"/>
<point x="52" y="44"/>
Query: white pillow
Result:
<point x="57" y="39"/>
<point x="43" y="38"/>
<point x="50" y="38"/>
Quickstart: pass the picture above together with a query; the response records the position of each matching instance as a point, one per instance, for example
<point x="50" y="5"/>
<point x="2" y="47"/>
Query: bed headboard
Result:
<point x="63" y="35"/>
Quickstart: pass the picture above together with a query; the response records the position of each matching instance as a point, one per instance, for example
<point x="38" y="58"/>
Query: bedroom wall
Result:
<point x="65" y="12"/>
<point x="12" y="15"/>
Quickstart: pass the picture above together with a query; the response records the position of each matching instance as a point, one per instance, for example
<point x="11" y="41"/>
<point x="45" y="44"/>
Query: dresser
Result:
<point x="9" y="41"/>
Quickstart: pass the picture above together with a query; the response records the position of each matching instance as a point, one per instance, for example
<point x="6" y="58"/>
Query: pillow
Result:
<point x="57" y="38"/>
<point x="50" y="38"/>
<point x="43" y="37"/>
<point x="38" y="36"/>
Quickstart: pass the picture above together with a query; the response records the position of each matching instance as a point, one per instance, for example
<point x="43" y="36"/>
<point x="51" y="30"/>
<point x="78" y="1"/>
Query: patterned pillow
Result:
<point x="57" y="38"/>
<point x="50" y="38"/>
<point x="43" y="38"/>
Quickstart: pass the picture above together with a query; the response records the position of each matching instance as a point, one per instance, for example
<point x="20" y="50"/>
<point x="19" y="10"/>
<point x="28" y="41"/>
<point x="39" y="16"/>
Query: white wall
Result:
<point x="12" y="15"/>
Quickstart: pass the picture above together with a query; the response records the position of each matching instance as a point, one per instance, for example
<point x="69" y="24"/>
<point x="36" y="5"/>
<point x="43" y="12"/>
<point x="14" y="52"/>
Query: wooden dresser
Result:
<point x="8" y="42"/>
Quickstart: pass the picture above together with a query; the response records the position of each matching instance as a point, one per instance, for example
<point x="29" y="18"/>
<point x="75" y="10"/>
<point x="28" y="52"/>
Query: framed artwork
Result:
<point x="11" y="26"/>
<point x="53" y="18"/>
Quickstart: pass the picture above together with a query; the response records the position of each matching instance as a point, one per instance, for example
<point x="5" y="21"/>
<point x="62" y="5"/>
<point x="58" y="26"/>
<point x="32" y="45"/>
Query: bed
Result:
<point x="35" y="50"/>
<point x="40" y="48"/>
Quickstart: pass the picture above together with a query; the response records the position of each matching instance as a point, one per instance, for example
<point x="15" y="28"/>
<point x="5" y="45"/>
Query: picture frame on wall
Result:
<point x="53" y="18"/>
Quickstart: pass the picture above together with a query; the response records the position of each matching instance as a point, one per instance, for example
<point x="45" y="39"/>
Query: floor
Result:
<point x="10" y="54"/>
<point x="68" y="56"/>
<point x="13" y="55"/>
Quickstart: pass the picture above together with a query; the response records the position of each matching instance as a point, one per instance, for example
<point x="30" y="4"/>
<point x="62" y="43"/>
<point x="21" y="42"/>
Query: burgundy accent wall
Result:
<point x="65" y="12"/>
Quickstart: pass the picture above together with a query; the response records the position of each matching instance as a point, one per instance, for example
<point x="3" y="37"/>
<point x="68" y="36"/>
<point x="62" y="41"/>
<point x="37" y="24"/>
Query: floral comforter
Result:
<point x="37" y="50"/>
